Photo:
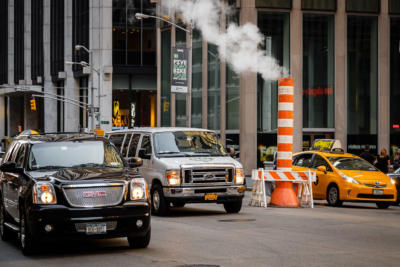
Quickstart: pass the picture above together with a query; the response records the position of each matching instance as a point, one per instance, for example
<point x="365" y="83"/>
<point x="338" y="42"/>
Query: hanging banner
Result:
<point x="179" y="83"/>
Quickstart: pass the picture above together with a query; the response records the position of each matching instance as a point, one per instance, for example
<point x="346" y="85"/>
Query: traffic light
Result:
<point x="33" y="104"/>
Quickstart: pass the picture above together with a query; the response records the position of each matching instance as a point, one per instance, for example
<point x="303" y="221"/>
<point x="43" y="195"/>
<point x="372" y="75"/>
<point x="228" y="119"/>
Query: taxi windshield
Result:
<point x="188" y="143"/>
<point x="73" y="154"/>
<point x="343" y="163"/>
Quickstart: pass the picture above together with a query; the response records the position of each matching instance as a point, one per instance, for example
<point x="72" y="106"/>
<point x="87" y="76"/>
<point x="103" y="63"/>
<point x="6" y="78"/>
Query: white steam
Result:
<point x="239" y="46"/>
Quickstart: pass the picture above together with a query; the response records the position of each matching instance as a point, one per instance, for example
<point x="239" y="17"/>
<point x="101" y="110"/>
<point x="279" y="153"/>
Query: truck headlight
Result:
<point x="239" y="176"/>
<point x="44" y="193"/>
<point x="349" y="179"/>
<point x="139" y="189"/>
<point x="173" y="177"/>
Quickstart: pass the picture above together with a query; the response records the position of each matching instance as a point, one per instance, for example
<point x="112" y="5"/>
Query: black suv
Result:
<point x="71" y="186"/>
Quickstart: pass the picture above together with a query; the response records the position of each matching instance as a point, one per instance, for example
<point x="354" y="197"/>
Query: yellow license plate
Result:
<point x="211" y="197"/>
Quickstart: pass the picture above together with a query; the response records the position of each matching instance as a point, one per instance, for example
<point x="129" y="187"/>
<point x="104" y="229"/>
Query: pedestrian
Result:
<point x="396" y="160"/>
<point x="382" y="161"/>
<point x="367" y="155"/>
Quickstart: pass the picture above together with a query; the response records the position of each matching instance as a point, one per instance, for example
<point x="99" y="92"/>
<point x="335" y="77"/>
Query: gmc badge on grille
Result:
<point x="92" y="194"/>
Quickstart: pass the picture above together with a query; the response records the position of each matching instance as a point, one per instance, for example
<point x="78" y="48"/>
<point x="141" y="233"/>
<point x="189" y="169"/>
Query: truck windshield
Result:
<point x="344" y="163"/>
<point x="84" y="154"/>
<point x="188" y="143"/>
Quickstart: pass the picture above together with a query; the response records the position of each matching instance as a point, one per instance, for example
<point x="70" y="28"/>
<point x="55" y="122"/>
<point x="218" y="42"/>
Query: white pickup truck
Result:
<point x="183" y="165"/>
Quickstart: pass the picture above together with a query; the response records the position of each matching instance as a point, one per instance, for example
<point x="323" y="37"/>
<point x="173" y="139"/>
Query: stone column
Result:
<point x="2" y="116"/>
<point x="27" y="41"/>
<point x="71" y="85"/>
<point x="384" y="77"/>
<point x="340" y="73"/>
<point x="49" y="105"/>
<point x="159" y="81"/>
<point x="248" y="102"/>
<point x="296" y="69"/>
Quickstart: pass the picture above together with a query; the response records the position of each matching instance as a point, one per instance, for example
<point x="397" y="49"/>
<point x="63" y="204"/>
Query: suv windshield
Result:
<point x="343" y="163"/>
<point x="85" y="154"/>
<point x="188" y="143"/>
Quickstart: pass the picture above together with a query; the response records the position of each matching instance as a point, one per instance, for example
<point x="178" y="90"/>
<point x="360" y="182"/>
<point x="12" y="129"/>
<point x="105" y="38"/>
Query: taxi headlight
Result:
<point x="349" y="179"/>
<point x="44" y="193"/>
<point x="392" y="181"/>
<point x="239" y="176"/>
<point x="173" y="177"/>
<point x="139" y="189"/>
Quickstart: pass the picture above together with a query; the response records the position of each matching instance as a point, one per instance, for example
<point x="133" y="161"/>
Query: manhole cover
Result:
<point x="238" y="220"/>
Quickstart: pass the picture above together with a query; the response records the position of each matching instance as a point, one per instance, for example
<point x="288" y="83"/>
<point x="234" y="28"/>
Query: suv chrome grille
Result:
<point x="208" y="175"/>
<point x="92" y="195"/>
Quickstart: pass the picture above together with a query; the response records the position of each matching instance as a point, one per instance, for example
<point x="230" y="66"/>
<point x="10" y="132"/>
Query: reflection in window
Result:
<point x="361" y="81"/>
<point x="197" y="79"/>
<point x="214" y="89"/>
<point x="232" y="99"/>
<point x="180" y="119"/>
<point x="318" y="71"/>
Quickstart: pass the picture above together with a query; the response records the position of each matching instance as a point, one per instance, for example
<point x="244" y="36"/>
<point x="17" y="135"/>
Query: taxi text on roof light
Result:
<point x="29" y="133"/>
<point x="326" y="145"/>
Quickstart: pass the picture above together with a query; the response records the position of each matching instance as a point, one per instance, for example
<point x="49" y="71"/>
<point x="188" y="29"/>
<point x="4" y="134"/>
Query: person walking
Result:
<point x="396" y="160"/>
<point x="382" y="161"/>
<point x="367" y="155"/>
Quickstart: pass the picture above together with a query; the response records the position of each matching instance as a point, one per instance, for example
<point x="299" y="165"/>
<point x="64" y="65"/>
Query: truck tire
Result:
<point x="159" y="204"/>
<point x="233" y="206"/>
<point x="140" y="241"/>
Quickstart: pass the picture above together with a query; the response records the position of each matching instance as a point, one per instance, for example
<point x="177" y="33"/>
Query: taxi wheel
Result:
<point x="382" y="205"/>
<point x="159" y="204"/>
<point x="332" y="196"/>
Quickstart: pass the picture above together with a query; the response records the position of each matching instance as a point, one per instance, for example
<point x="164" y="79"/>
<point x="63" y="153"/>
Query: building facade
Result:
<point x="343" y="55"/>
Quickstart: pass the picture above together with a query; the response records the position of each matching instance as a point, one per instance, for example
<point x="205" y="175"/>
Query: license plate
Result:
<point x="211" y="197"/>
<point x="377" y="191"/>
<point x="96" y="228"/>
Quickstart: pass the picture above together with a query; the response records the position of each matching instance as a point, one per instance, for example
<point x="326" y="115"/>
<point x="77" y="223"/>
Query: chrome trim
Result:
<point x="93" y="185"/>
<point x="12" y="226"/>
<point x="131" y="203"/>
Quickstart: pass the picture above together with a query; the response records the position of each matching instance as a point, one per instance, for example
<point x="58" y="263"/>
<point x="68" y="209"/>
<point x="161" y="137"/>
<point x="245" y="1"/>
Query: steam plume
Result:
<point x="238" y="46"/>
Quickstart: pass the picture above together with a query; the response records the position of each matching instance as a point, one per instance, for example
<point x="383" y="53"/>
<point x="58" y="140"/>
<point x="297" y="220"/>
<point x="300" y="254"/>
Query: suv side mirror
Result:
<point x="143" y="155"/>
<point x="11" y="167"/>
<point x="135" y="162"/>
<point x="322" y="168"/>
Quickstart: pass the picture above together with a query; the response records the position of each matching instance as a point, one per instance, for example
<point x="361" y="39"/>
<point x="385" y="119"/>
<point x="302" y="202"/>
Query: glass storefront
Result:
<point x="214" y="88"/>
<point x="232" y="99"/>
<point x="276" y="30"/>
<point x="362" y="80"/>
<point x="166" y="78"/>
<point x="197" y="79"/>
<point x="318" y="71"/>
<point x="394" y="84"/>
<point x="83" y="97"/>
<point x="180" y="119"/>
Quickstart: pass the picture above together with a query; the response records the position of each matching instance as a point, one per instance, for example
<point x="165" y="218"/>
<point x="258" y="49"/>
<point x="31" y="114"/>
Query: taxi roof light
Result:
<point x="329" y="145"/>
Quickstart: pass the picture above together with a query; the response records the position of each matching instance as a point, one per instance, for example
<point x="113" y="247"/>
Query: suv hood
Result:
<point x="75" y="174"/>
<point x="176" y="163"/>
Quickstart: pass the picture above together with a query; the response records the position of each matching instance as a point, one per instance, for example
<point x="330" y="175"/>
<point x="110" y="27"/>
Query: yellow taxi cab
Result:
<point x="343" y="176"/>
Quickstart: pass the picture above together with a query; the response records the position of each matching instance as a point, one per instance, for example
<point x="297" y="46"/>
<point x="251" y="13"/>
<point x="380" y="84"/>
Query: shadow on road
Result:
<point x="190" y="212"/>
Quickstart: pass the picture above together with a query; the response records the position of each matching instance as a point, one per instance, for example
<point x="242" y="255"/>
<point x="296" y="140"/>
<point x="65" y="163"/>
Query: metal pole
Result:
<point x="190" y="69"/>
<point x="91" y="89"/>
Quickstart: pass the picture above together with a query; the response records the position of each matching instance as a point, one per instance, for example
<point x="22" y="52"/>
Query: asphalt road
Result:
<point x="203" y="235"/>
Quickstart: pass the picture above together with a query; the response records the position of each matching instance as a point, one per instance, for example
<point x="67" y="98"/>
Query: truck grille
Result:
<point x="208" y="175"/>
<point x="86" y="196"/>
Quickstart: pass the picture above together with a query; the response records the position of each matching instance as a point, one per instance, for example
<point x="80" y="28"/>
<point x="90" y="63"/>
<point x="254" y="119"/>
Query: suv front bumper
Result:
<point x="65" y="221"/>
<point x="198" y="194"/>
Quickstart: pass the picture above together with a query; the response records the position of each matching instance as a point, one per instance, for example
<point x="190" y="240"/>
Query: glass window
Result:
<point x="318" y="71"/>
<point x="366" y="6"/>
<point x="133" y="145"/>
<point x="19" y="159"/>
<point x="180" y="119"/>
<point x="343" y="163"/>
<point x="117" y="140"/>
<point x="214" y="88"/>
<point x="394" y="6"/>
<point x="274" y="3"/>
<point x="197" y="79"/>
<point x="362" y="64"/>
<point x="320" y="161"/>
<point x="394" y="84"/>
<point x="232" y="99"/>
<point x="303" y="160"/>
<point x="326" y="5"/>
<point x="146" y="144"/>
<point x="126" y="145"/>
<point x="166" y="78"/>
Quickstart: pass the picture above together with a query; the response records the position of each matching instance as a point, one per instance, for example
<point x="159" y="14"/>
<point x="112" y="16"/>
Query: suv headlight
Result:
<point x="349" y="179"/>
<point x="173" y="177"/>
<point x="44" y="193"/>
<point x="139" y="189"/>
<point x="239" y="176"/>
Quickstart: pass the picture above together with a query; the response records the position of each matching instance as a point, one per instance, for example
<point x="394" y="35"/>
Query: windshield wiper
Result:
<point x="169" y="152"/>
<point x="87" y="165"/>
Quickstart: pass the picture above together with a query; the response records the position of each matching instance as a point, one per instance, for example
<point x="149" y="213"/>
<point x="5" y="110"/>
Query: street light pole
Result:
<point x="140" y="16"/>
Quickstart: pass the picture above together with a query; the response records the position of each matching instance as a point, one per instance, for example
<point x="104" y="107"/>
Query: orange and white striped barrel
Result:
<point x="285" y="124"/>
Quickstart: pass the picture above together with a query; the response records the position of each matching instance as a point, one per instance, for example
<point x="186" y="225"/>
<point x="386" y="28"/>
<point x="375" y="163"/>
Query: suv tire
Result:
<point x="27" y="241"/>
<point x="140" y="241"/>
<point x="233" y="206"/>
<point x="5" y="232"/>
<point x="332" y="196"/>
<point x="159" y="204"/>
<point x="383" y="205"/>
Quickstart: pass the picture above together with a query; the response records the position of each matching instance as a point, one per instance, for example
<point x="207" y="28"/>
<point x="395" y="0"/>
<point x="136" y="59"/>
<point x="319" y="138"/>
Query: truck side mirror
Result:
<point x="11" y="167"/>
<point x="135" y="162"/>
<point x="143" y="155"/>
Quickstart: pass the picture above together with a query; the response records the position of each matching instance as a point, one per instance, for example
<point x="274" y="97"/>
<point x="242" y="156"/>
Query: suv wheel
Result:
<point x="27" y="242"/>
<point x="139" y="241"/>
<point x="332" y="196"/>
<point x="382" y="205"/>
<point x="158" y="202"/>
<point x="233" y="207"/>
<point x="5" y="232"/>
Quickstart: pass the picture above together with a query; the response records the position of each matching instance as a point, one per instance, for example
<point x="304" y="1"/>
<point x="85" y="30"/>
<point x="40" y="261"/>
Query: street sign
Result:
<point x="105" y="122"/>
<point x="179" y="83"/>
